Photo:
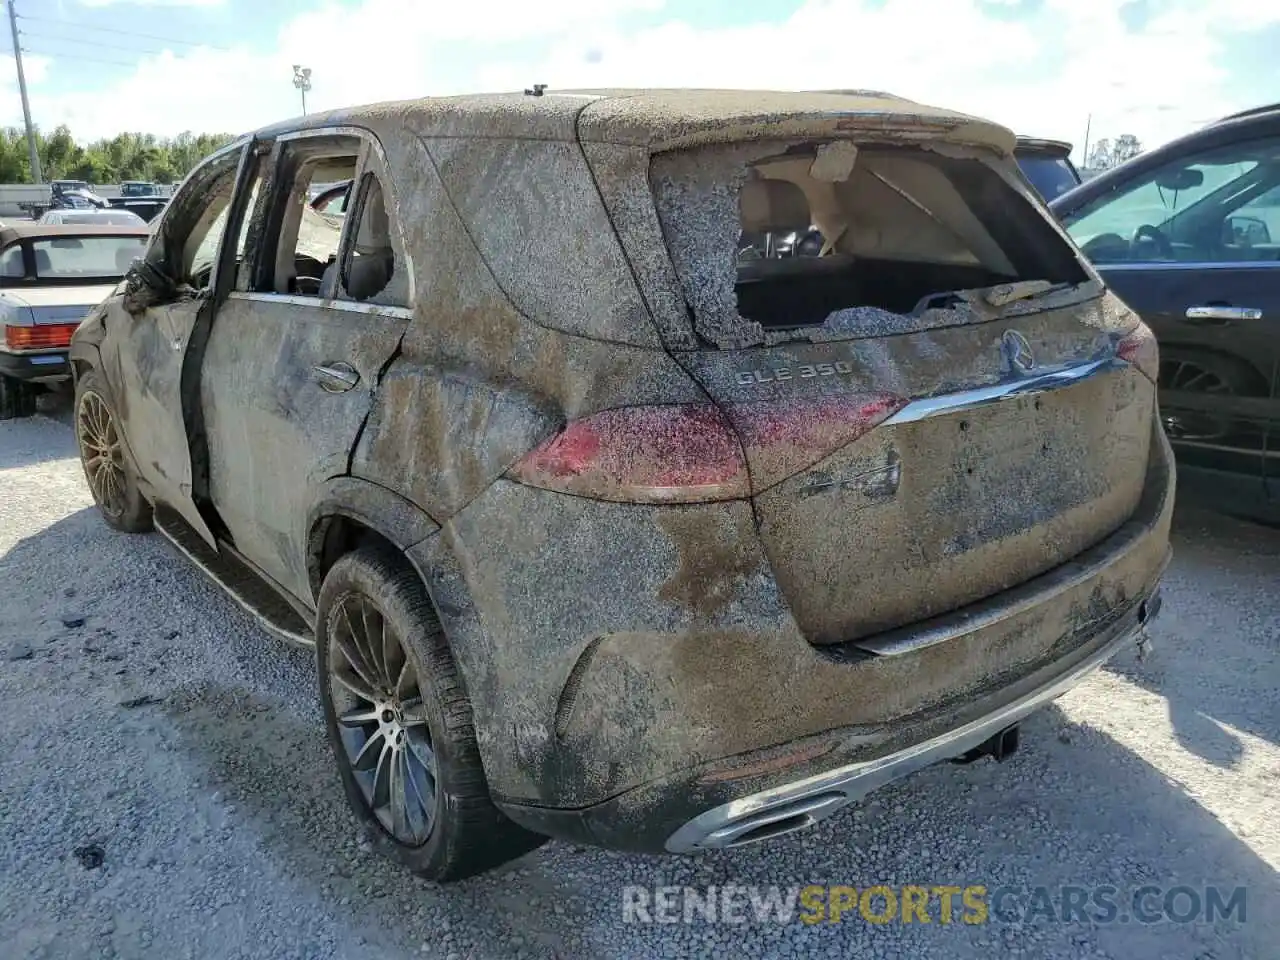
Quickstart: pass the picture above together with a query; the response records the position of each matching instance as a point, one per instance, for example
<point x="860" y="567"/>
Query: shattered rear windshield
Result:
<point x="769" y="239"/>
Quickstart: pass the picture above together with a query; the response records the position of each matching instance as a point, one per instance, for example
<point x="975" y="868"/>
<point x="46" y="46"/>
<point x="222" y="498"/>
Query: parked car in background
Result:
<point x="110" y="217"/>
<point x="146" y="208"/>
<point x="605" y="524"/>
<point x="1047" y="164"/>
<point x="1189" y="236"/>
<point x="50" y="277"/>
<point x="138" y="188"/>
<point x="332" y="200"/>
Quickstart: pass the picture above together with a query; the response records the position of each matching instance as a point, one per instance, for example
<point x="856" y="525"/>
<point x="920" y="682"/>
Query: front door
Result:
<point x="145" y="351"/>
<point x="1193" y="245"/>
<point x="295" y="352"/>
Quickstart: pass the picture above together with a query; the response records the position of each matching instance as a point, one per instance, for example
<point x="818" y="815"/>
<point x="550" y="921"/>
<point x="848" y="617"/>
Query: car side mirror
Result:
<point x="1247" y="231"/>
<point x="146" y="284"/>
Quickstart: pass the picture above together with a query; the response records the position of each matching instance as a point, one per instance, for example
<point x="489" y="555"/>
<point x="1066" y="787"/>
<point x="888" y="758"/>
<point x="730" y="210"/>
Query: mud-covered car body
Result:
<point x="706" y="576"/>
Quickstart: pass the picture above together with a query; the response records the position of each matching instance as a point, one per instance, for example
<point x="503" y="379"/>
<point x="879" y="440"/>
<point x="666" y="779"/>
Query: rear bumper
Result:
<point x="667" y="816"/>
<point x="609" y="718"/>
<point x="801" y="803"/>
<point x="37" y="367"/>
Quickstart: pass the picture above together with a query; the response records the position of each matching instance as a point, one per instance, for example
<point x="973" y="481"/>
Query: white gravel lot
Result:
<point x="144" y="714"/>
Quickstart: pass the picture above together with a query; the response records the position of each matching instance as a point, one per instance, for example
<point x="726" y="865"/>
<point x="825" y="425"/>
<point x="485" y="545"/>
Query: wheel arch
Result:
<point x="347" y="512"/>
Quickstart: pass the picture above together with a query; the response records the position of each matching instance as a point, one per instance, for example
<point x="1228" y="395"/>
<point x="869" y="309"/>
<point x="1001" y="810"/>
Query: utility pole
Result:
<point x="302" y="80"/>
<point x="1084" y="156"/>
<point x="26" y="107"/>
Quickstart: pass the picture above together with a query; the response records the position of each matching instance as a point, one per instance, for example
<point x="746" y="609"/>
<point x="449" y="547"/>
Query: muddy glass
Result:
<point x="76" y="258"/>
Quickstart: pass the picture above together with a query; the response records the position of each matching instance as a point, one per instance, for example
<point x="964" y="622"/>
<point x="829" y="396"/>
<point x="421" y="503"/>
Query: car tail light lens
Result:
<point x="784" y="437"/>
<point x="38" y="337"/>
<point x="1139" y="348"/>
<point x="669" y="454"/>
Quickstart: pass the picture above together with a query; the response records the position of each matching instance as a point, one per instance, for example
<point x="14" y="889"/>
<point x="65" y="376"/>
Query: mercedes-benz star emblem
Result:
<point x="1018" y="350"/>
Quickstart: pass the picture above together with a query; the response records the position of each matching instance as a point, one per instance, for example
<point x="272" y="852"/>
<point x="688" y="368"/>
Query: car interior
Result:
<point x="1226" y="211"/>
<point x="896" y="231"/>
<point x="309" y="240"/>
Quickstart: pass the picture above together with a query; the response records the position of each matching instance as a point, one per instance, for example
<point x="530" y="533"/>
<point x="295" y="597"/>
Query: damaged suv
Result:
<point x="659" y="469"/>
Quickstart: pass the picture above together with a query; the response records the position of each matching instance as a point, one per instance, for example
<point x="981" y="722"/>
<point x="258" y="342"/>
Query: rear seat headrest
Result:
<point x="767" y="205"/>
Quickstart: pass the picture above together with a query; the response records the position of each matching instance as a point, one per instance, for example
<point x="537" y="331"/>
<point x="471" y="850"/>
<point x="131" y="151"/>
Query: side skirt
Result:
<point x="242" y="584"/>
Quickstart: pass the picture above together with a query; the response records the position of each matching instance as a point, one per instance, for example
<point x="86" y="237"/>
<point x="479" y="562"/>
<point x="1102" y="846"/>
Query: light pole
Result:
<point x="302" y="80"/>
<point x="26" y="107"/>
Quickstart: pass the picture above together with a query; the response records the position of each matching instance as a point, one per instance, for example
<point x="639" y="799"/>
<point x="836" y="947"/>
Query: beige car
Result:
<point x="659" y="469"/>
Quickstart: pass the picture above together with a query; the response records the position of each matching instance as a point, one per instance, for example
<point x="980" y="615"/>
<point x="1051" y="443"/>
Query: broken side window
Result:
<point x="369" y="268"/>
<point x="306" y="251"/>
<point x="769" y="238"/>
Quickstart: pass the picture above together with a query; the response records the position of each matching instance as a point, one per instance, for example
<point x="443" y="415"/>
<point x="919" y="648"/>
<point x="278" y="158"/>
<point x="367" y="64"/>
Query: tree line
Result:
<point x="1107" y="153"/>
<point x="126" y="156"/>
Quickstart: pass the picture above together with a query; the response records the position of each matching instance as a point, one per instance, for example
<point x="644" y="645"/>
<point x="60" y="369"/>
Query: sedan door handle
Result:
<point x="1223" y="312"/>
<point x="336" y="377"/>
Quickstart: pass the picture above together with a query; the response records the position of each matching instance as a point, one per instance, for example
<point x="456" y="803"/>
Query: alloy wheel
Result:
<point x="102" y="453"/>
<point x="382" y="720"/>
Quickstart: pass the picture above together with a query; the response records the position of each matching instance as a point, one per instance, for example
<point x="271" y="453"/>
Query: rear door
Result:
<point x="295" y="353"/>
<point x="1192" y="242"/>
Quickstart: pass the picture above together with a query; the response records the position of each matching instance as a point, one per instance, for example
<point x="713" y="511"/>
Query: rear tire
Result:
<point x="108" y="468"/>
<point x="17" y="399"/>
<point x="398" y="719"/>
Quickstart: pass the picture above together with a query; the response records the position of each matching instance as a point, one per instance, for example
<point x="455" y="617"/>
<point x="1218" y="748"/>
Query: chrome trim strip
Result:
<point x="984" y="614"/>
<point x="717" y="827"/>
<point x="297" y="300"/>
<point x="946" y="403"/>
<point x="1209" y="312"/>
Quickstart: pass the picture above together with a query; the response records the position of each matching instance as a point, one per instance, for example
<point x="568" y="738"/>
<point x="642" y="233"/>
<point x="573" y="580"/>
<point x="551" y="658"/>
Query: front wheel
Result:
<point x="400" y="724"/>
<point x="110" y="473"/>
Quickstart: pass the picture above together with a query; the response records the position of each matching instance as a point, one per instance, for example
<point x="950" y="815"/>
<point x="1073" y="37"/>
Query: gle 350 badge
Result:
<point x="804" y="371"/>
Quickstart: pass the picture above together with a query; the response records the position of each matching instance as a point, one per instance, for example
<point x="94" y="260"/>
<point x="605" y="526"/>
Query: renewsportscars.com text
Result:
<point x="933" y="903"/>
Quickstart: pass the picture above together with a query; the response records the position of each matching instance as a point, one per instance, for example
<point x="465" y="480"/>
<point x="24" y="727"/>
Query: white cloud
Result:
<point x="152" y="3"/>
<point x="1042" y="74"/>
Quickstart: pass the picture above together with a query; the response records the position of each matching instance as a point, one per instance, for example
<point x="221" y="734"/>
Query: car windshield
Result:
<point x="84" y="258"/>
<point x="1051" y="176"/>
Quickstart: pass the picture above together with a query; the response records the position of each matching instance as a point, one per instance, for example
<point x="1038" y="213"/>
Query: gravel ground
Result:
<point x="165" y="789"/>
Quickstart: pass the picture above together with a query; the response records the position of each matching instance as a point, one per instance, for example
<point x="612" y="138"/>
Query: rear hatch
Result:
<point x="921" y="372"/>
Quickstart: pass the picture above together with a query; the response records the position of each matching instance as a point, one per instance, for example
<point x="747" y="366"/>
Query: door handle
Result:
<point x="1223" y="312"/>
<point x="336" y="377"/>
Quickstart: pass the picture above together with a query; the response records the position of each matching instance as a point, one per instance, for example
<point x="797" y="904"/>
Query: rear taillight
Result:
<point x="784" y="437"/>
<point x="39" y="337"/>
<point x="1139" y="348"/>
<point x="668" y="454"/>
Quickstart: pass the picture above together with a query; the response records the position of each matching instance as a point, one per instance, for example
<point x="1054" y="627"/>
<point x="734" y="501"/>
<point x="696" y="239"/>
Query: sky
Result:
<point x="1049" y="68"/>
